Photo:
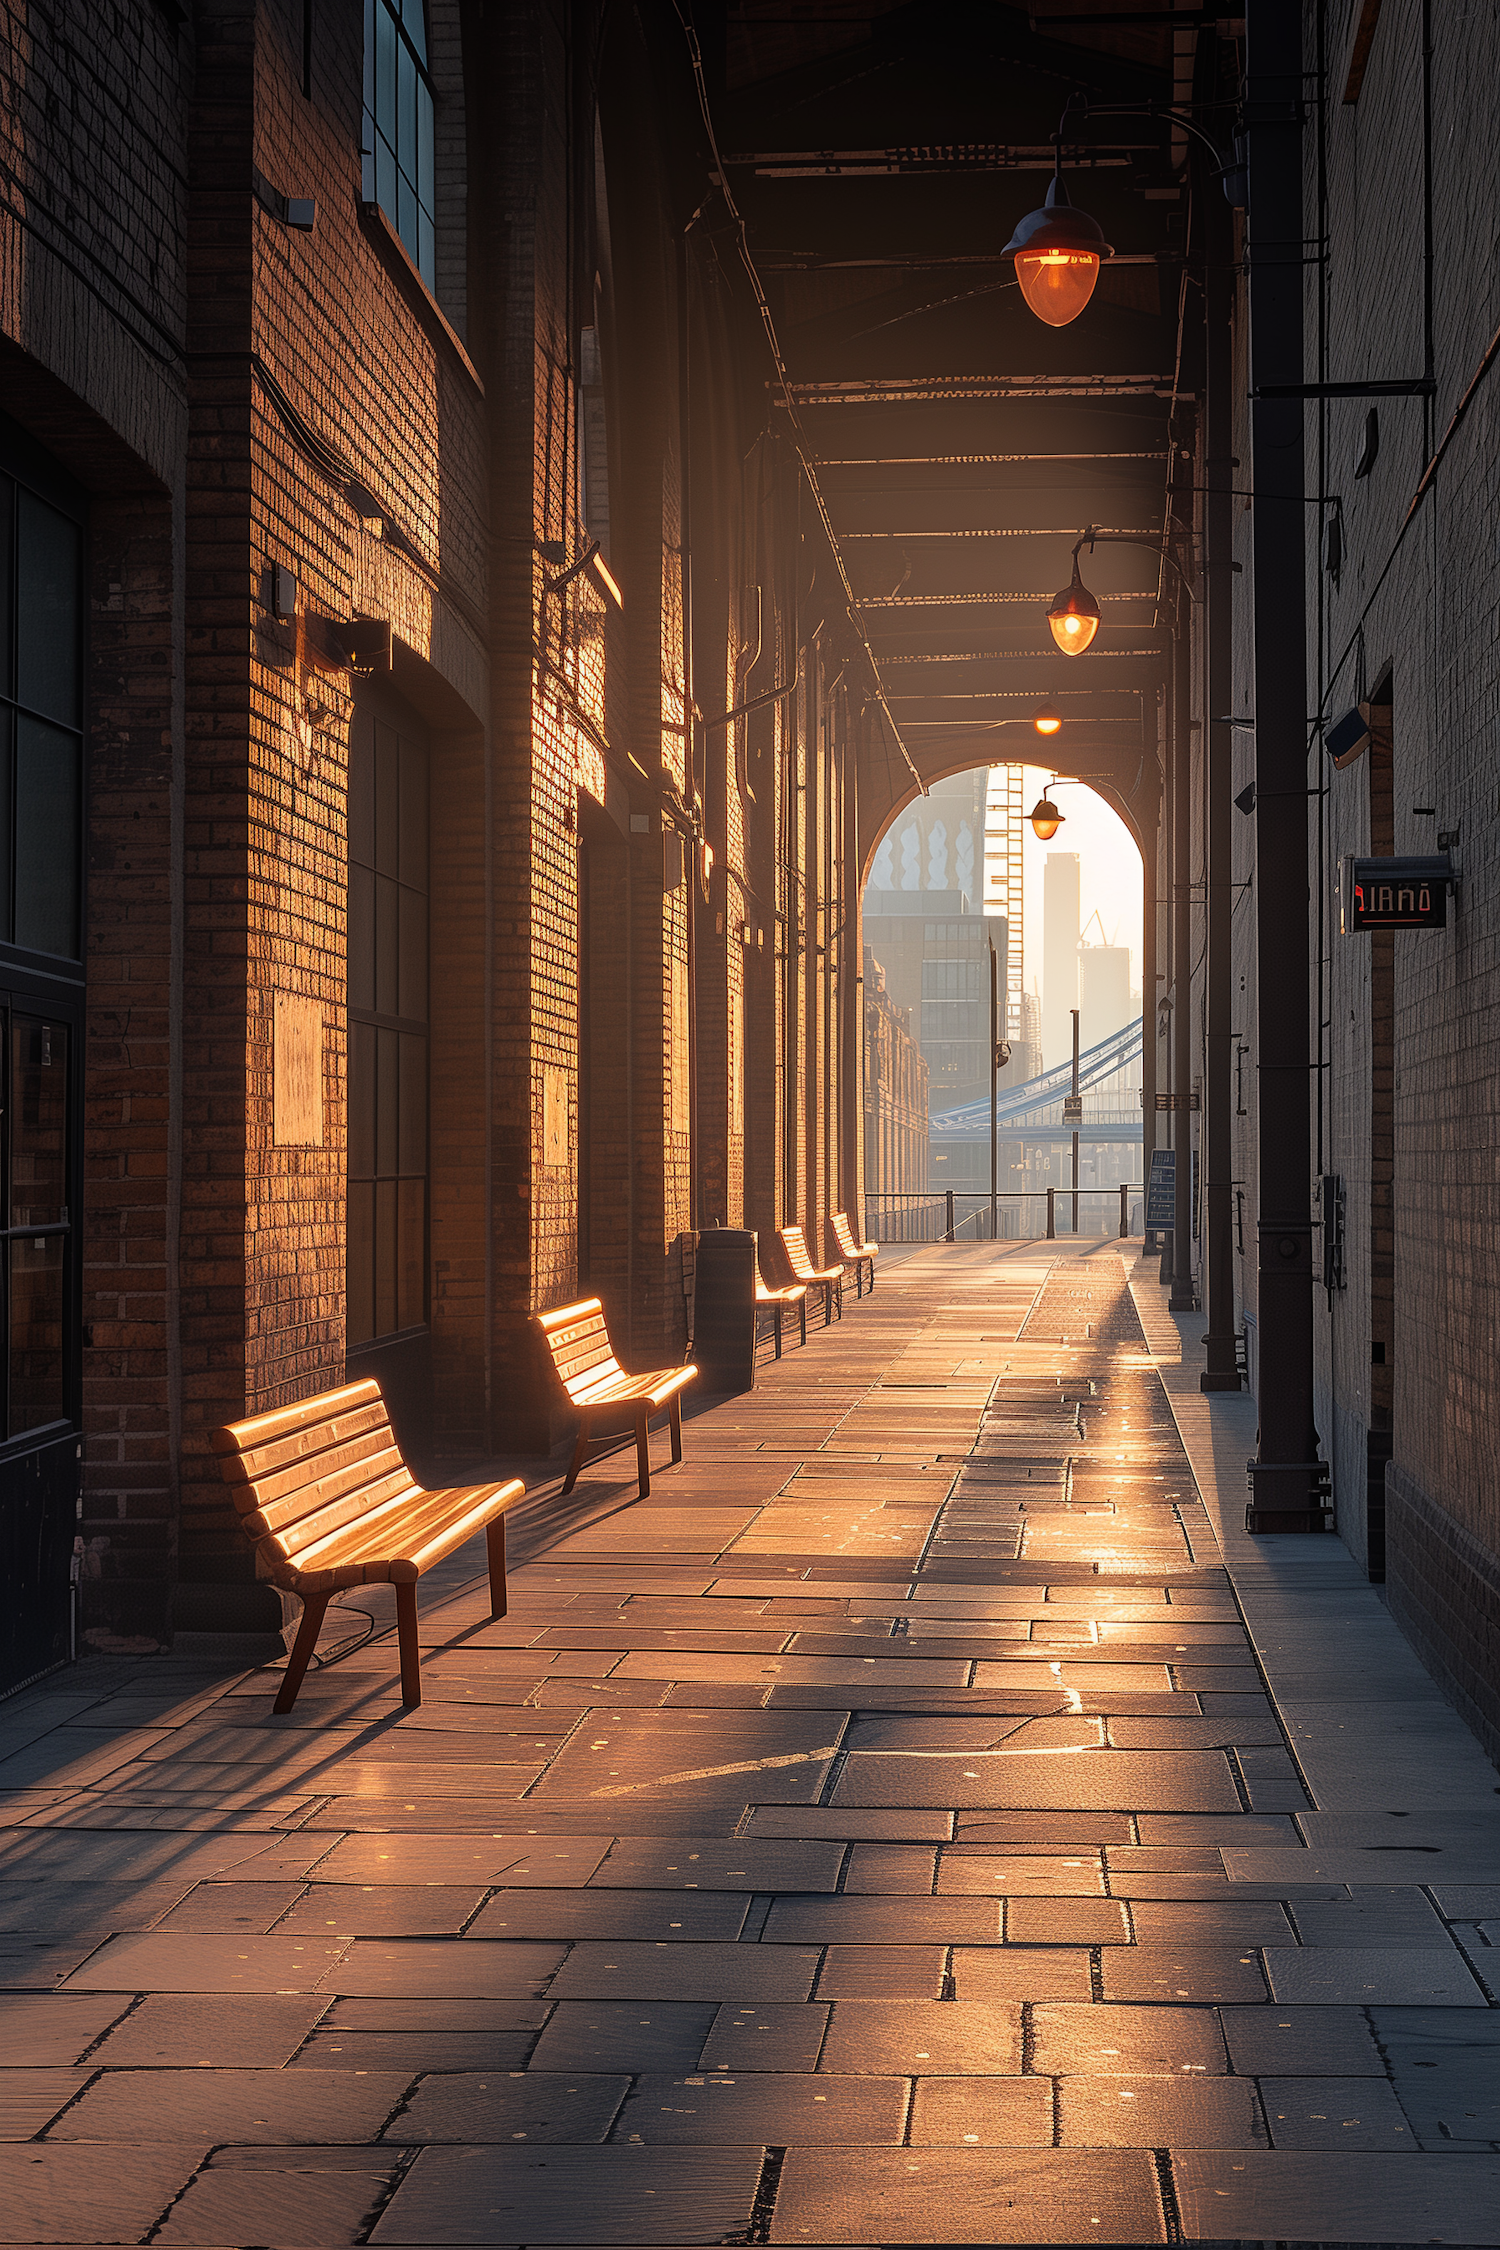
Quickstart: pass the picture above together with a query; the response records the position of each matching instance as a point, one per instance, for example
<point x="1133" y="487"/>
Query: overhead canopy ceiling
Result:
<point x="881" y="155"/>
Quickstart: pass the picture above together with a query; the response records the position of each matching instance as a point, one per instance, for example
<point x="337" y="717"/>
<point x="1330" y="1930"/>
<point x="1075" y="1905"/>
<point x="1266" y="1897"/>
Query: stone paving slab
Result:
<point x="889" y="1831"/>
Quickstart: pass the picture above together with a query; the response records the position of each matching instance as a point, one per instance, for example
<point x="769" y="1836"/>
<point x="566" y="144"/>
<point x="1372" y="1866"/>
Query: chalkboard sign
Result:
<point x="1161" y="1191"/>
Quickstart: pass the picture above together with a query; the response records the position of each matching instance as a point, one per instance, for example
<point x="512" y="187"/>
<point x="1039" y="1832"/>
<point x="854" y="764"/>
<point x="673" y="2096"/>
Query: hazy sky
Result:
<point x="1110" y="871"/>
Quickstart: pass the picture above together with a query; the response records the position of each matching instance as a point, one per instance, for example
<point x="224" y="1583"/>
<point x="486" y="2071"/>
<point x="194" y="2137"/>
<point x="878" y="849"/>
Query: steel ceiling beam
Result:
<point x="950" y="390"/>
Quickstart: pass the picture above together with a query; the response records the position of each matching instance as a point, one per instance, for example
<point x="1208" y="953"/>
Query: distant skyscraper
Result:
<point x="1060" y="912"/>
<point x="1104" y="989"/>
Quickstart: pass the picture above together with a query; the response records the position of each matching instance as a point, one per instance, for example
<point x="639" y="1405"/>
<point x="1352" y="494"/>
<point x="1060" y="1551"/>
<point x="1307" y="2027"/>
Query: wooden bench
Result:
<point x="781" y="1302"/>
<point x="606" y="1400"/>
<point x="322" y="1490"/>
<point x="830" y="1279"/>
<point x="859" y="1255"/>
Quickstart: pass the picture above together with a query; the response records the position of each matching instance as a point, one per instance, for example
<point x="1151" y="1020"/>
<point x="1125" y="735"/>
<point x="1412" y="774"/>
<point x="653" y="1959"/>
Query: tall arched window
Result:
<point x="398" y="134"/>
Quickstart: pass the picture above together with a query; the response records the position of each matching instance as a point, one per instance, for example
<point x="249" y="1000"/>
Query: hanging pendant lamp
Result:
<point x="1057" y="251"/>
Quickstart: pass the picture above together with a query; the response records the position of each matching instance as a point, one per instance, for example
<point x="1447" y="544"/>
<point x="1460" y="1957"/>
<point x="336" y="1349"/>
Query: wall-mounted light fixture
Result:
<point x="1048" y="720"/>
<point x="591" y="560"/>
<point x="1045" y="818"/>
<point x="1074" y="615"/>
<point x="1057" y="251"/>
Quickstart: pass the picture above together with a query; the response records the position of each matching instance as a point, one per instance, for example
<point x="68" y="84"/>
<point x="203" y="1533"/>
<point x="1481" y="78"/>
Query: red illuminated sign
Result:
<point x="1394" y="894"/>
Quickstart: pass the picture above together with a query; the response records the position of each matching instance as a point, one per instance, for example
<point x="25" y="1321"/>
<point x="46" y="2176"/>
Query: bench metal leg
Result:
<point x="406" y="1640"/>
<point x="677" y="1425"/>
<point x="314" y="1608"/>
<point x="642" y="1455"/>
<point x="802" y="1313"/>
<point x="577" y="1461"/>
<point x="776" y="1325"/>
<point x="494" y="1539"/>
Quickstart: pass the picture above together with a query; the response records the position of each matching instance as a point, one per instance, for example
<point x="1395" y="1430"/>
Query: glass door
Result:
<point x="38" y="1314"/>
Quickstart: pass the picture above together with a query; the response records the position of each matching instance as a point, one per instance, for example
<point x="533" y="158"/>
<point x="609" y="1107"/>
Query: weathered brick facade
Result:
<point x="642" y="1007"/>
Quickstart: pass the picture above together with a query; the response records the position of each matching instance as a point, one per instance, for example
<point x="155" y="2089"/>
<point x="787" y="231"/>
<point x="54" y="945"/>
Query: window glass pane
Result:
<point x="387" y="1150"/>
<point x="413" y="993"/>
<point x="413" y="1104"/>
<point x="38" y="1122"/>
<point x="362" y="1038"/>
<point x="413" y="868"/>
<point x="359" y="1313"/>
<point x="46" y="855"/>
<point x="387" y="800"/>
<point x="362" y="791"/>
<point x="385" y="1257"/>
<point x="413" y="15"/>
<point x="406" y="213"/>
<point x="387" y="930"/>
<point x="7" y="507"/>
<point x="411" y="1253"/>
<point x="36" y="1331"/>
<point x="372" y="8"/>
<point x="422" y="168"/>
<point x="405" y="135"/>
<point x="361" y="938"/>
<point x="7" y="729"/>
<point x="385" y="176"/>
<point x="386" y="43"/>
<point x="46" y="610"/>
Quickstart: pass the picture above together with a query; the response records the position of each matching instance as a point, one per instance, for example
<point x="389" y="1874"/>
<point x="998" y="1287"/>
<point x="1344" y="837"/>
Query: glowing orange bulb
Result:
<point x="1074" y="616"/>
<point x="1057" y="284"/>
<point x="1045" y="818"/>
<point x="1047" y="721"/>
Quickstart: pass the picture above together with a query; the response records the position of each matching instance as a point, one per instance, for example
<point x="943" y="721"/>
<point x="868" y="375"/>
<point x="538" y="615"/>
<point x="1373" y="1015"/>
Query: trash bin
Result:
<point x="724" y="1309"/>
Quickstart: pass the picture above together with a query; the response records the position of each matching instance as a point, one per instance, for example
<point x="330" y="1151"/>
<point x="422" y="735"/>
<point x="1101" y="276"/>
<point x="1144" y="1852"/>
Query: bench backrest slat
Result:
<point x="361" y="1510"/>
<point x="795" y="1243"/>
<point x="297" y="1451"/>
<point x="286" y="1421"/>
<point x="284" y="1512"/>
<point x="346" y="1459"/>
<point x="300" y="1474"/>
<point x="578" y="1339"/>
<point x="843" y="1234"/>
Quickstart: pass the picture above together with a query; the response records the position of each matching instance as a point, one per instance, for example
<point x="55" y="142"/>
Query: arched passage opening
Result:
<point x="973" y="928"/>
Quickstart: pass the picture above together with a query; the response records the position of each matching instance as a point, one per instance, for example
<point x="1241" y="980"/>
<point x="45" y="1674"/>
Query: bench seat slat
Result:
<point x="415" y="1530"/>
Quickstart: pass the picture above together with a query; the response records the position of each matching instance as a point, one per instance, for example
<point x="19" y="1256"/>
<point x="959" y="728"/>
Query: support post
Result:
<point x="1287" y="1480"/>
<point x="948" y="1224"/>
<point x="1074" y="1013"/>
<point x="1222" y="1370"/>
<point x="1124" y="1209"/>
<point x="994" y="1093"/>
<point x="1051" y="1214"/>
<point x="1182" y="1298"/>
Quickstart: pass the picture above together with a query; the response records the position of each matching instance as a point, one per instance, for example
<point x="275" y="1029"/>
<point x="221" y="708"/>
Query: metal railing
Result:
<point x="940" y="1216"/>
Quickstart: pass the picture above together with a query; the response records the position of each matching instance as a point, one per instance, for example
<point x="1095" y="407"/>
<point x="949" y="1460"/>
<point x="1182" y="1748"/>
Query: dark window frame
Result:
<point x="399" y="173"/>
<point x="380" y="1038"/>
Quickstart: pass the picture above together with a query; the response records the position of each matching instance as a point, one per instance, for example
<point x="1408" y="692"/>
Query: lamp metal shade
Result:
<point x="1057" y="252"/>
<point x="1045" y="818"/>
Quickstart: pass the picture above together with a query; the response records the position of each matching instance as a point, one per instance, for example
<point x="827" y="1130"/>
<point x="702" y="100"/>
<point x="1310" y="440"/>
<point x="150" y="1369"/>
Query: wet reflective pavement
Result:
<point x="926" y="1818"/>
